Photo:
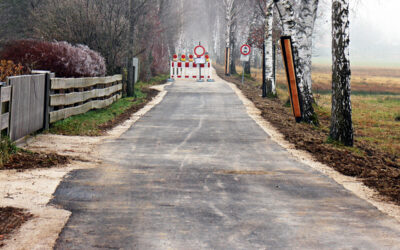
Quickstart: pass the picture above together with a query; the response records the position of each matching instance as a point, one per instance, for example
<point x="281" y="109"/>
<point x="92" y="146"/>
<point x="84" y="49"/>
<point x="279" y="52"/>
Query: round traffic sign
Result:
<point x="245" y="50"/>
<point x="199" y="51"/>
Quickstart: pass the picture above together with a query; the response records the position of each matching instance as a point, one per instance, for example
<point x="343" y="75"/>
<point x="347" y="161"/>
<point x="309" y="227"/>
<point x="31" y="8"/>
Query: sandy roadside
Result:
<point x="33" y="189"/>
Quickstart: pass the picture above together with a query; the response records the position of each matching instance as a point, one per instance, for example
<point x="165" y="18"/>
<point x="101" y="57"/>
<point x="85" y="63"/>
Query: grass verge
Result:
<point x="95" y="122"/>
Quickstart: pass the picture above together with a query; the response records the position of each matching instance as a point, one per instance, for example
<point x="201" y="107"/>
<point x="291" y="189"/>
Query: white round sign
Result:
<point x="199" y="51"/>
<point x="245" y="50"/>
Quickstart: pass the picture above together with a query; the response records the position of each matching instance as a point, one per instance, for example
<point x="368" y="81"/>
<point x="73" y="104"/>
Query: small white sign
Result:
<point x="244" y="58"/>
<point x="200" y="60"/>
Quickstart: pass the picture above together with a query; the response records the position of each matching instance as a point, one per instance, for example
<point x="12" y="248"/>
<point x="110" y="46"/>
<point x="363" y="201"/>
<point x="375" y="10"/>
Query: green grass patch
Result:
<point x="88" y="124"/>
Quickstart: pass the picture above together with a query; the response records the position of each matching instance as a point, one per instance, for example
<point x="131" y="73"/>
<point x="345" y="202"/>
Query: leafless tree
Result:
<point x="341" y="121"/>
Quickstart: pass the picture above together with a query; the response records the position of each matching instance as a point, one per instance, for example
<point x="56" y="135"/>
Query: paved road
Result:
<point x="198" y="173"/>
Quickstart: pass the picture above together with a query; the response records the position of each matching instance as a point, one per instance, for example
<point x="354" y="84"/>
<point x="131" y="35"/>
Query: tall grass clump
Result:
<point x="7" y="148"/>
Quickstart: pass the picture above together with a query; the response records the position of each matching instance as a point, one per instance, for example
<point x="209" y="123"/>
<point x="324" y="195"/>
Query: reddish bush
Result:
<point x="9" y="68"/>
<point x="59" y="57"/>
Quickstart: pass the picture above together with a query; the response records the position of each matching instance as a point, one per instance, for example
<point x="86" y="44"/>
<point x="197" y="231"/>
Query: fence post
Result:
<point x="5" y="105"/>
<point x="46" y="115"/>
<point x="1" y="108"/>
<point x="131" y="80"/>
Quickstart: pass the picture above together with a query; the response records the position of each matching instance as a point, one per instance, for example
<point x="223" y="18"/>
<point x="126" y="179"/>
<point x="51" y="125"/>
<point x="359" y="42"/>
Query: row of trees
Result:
<point x="264" y="21"/>
<point x="153" y="30"/>
<point x="116" y="28"/>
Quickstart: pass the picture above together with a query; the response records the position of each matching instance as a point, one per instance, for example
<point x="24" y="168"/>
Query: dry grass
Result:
<point x="375" y="101"/>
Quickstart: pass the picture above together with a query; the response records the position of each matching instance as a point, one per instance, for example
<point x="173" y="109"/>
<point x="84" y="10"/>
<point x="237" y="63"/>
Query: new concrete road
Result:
<point x="196" y="172"/>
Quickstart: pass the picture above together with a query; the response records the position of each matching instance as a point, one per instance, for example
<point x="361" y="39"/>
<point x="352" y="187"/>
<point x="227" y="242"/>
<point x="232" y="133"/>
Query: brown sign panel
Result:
<point x="288" y="60"/>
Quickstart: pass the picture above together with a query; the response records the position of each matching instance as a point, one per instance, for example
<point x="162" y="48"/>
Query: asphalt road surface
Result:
<point x="197" y="172"/>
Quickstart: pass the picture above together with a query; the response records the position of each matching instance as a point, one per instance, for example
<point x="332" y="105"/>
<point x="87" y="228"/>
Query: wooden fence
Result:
<point x="5" y="97"/>
<point x="30" y="103"/>
<point x="73" y="96"/>
<point x="27" y="105"/>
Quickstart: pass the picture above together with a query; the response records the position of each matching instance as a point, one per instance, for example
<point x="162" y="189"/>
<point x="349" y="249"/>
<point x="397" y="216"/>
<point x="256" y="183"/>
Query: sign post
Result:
<point x="245" y="51"/>
<point x="200" y="51"/>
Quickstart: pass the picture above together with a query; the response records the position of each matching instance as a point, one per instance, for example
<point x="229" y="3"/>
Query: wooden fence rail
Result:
<point x="5" y="97"/>
<point x="73" y="96"/>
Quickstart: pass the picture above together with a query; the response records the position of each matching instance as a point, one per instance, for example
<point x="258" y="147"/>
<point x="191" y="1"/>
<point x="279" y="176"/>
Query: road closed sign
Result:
<point x="199" y="51"/>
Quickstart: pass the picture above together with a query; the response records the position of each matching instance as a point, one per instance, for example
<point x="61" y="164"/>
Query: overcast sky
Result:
<point x="374" y="33"/>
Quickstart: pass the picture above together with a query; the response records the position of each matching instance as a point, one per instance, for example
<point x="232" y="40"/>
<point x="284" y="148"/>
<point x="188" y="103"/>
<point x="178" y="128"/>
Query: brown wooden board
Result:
<point x="287" y="54"/>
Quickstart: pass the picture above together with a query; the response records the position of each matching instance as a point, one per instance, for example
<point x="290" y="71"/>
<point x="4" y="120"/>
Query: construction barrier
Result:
<point x="190" y="70"/>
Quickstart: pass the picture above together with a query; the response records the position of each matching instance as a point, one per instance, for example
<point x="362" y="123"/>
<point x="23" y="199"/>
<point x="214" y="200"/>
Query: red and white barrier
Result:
<point x="190" y="70"/>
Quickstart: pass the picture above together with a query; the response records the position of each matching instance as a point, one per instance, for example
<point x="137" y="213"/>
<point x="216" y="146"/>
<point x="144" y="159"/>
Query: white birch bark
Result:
<point x="268" y="57"/>
<point x="291" y="28"/>
<point x="180" y="45"/>
<point x="341" y="121"/>
<point x="305" y="28"/>
<point x="228" y="4"/>
<point x="216" y="44"/>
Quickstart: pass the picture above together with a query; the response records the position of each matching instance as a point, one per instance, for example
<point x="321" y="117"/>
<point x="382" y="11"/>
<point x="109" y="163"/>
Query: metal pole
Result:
<point x="243" y="74"/>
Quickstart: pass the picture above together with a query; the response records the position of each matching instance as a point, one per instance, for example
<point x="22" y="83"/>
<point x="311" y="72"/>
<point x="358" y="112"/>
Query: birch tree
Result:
<point x="341" y="121"/>
<point x="305" y="29"/>
<point x="252" y="25"/>
<point x="270" y="85"/>
<point x="231" y="9"/>
<point x="296" y="29"/>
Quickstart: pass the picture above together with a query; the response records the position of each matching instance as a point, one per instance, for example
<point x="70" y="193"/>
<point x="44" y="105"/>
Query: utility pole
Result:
<point x="131" y="80"/>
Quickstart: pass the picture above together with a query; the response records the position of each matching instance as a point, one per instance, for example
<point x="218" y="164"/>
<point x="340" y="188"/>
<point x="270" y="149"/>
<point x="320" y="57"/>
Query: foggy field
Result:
<point x="375" y="101"/>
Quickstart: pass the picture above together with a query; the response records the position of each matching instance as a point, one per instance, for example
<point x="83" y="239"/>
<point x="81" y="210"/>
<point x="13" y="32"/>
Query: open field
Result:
<point x="375" y="100"/>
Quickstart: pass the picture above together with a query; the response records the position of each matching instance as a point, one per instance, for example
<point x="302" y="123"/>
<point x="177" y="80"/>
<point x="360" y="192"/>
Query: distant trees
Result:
<point x="15" y="19"/>
<point x="341" y="119"/>
<point x="101" y="25"/>
<point x="231" y="9"/>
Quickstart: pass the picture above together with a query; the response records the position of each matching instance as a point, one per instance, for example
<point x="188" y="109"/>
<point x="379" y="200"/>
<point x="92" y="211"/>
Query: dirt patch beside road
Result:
<point x="11" y="219"/>
<point x="30" y="160"/>
<point x="376" y="169"/>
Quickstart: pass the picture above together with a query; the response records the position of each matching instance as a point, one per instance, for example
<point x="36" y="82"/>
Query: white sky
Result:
<point x="374" y="33"/>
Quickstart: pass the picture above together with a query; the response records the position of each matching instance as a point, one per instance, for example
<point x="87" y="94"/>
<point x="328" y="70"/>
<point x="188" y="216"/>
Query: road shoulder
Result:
<point x="350" y="183"/>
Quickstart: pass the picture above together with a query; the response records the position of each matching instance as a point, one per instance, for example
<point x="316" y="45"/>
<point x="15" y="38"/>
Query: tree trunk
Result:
<point x="341" y="121"/>
<point x="131" y="81"/>
<point x="264" y="84"/>
<point x="233" y="49"/>
<point x="228" y="22"/>
<point x="268" y="56"/>
<point x="247" y="65"/>
<point x="305" y="27"/>
<point x="290" y="29"/>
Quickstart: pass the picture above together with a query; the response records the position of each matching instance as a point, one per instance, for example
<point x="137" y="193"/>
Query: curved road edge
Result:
<point x="350" y="183"/>
<point x="33" y="189"/>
